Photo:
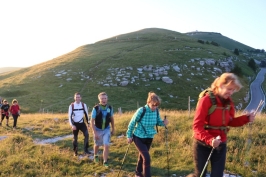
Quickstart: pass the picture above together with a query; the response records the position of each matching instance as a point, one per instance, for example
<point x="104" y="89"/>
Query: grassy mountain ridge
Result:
<point x="102" y="66"/>
<point x="8" y="69"/>
<point x="220" y="39"/>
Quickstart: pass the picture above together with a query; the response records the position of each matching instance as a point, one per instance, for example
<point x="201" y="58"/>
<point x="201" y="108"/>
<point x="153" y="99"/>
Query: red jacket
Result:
<point x="14" y="109"/>
<point x="202" y="118"/>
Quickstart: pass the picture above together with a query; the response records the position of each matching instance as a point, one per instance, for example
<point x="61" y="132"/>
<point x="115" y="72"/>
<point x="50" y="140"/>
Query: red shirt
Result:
<point x="14" y="109"/>
<point x="202" y="118"/>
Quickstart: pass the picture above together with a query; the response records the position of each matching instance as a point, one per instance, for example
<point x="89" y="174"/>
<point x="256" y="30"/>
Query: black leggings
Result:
<point x="3" y="116"/>
<point x="144" y="161"/>
<point x="82" y="127"/>
<point x="217" y="160"/>
<point x="15" y="117"/>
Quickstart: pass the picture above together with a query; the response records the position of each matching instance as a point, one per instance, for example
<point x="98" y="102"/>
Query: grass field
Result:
<point x="21" y="156"/>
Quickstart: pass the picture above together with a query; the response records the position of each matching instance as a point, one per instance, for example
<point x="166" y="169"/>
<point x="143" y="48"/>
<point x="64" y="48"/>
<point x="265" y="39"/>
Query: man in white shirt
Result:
<point x="76" y="113"/>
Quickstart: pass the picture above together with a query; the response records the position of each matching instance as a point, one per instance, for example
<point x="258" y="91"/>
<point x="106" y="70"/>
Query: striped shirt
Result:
<point x="149" y="121"/>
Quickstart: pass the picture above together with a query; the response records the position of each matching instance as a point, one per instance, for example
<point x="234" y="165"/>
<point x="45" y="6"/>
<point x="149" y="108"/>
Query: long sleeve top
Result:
<point x="14" y="109"/>
<point x="148" y="121"/>
<point x="77" y="115"/>
<point x="202" y="118"/>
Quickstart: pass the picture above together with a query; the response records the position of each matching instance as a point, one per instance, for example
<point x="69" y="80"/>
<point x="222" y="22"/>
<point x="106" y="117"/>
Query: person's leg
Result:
<point x="201" y="154"/>
<point x="218" y="161"/>
<point x="106" y="143"/>
<point x="96" y="149"/>
<point x="75" y="140"/>
<point x="7" y="118"/>
<point x="97" y="143"/>
<point x="85" y="132"/>
<point x="15" y="117"/>
<point x="139" y="168"/>
<point x="143" y="149"/>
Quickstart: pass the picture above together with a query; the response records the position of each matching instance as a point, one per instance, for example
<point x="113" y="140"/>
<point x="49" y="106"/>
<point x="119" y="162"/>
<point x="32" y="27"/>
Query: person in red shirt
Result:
<point x="15" y="111"/>
<point x="206" y="127"/>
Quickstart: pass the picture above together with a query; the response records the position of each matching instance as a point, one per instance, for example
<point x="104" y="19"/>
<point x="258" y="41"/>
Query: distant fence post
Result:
<point x="120" y="111"/>
<point x="188" y="106"/>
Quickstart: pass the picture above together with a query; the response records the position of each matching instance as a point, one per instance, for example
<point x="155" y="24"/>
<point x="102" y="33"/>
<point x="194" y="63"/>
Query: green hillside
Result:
<point x="141" y="58"/>
<point x="223" y="41"/>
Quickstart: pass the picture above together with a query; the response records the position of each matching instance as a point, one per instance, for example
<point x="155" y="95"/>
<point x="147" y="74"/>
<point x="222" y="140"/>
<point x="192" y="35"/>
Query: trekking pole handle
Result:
<point x="218" y="137"/>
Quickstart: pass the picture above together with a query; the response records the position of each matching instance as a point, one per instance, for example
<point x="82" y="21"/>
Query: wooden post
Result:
<point x="120" y="111"/>
<point x="188" y="106"/>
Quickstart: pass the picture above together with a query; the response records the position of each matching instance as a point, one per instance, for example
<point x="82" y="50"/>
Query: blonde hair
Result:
<point x="14" y="100"/>
<point x="226" y="79"/>
<point x="101" y="94"/>
<point x="153" y="98"/>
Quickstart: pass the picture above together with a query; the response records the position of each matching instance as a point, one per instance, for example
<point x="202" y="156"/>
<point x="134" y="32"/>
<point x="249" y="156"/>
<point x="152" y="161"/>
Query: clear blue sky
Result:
<point x="34" y="31"/>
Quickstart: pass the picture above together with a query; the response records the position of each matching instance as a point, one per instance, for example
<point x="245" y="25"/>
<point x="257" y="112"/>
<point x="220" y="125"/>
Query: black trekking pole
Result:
<point x="206" y="164"/>
<point x="123" y="159"/>
<point x="166" y="133"/>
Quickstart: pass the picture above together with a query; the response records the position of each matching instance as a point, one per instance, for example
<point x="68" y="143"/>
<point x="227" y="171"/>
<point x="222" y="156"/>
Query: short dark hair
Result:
<point x="77" y="93"/>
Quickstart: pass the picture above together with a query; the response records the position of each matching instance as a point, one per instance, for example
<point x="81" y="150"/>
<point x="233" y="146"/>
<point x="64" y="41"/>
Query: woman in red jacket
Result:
<point x="207" y="126"/>
<point x="15" y="111"/>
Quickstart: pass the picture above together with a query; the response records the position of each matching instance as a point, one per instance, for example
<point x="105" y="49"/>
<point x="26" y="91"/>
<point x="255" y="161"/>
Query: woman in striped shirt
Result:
<point x="141" y="131"/>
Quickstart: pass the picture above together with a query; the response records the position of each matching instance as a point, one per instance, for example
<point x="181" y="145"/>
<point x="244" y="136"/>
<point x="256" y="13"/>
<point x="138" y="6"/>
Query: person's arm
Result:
<point x="132" y="123"/>
<point x="86" y="114"/>
<point x="93" y="117"/>
<point x="199" y="120"/>
<point x="8" y="110"/>
<point x="112" y="122"/>
<point x="18" y="110"/>
<point x="70" y="115"/>
<point x="161" y="122"/>
<point x="237" y="121"/>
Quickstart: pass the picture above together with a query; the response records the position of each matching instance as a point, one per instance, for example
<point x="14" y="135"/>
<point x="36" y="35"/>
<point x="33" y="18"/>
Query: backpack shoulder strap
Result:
<point x="72" y="105"/>
<point x="157" y="111"/>
<point x="143" y="113"/>
<point x="213" y="101"/>
<point x="97" y="109"/>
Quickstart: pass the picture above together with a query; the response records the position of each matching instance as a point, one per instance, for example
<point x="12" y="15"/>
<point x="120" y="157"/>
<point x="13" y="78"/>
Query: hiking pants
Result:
<point x="217" y="160"/>
<point x="82" y="127"/>
<point x="15" y="117"/>
<point x="143" y="145"/>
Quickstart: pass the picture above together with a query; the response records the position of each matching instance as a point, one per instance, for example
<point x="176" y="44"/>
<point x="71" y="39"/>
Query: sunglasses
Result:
<point x="155" y="105"/>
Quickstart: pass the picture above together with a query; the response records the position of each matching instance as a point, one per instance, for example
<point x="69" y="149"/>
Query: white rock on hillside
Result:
<point x="167" y="80"/>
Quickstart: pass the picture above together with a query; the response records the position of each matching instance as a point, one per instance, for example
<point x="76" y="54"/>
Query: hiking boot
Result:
<point x="105" y="164"/>
<point x="138" y="174"/>
<point x="76" y="152"/>
<point x="87" y="152"/>
<point x="96" y="159"/>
